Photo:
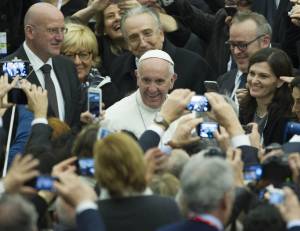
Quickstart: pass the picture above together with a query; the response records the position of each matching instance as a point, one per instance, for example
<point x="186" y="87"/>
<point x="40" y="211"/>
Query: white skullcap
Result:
<point x="156" y="54"/>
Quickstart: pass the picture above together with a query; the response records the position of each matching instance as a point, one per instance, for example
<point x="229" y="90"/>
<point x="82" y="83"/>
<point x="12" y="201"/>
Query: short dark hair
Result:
<point x="295" y="83"/>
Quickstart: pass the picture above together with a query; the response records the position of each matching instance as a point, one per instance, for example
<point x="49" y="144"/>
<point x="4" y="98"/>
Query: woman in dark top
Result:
<point x="81" y="46"/>
<point x="269" y="101"/>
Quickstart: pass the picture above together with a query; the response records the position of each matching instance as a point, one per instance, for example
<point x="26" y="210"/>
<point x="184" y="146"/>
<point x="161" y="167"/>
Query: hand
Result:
<point x="224" y="114"/>
<point x="127" y="5"/>
<point x="183" y="133"/>
<point x="99" y="5"/>
<point x="5" y="87"/>
<point x="73" y="190"/>
<point x="64" y="166"/>
<point x="37" y="99"/>
<point x="175" y="104"/>
<point x="287" y="79"/>
<point x="295" y="14"/>
<point x="155" y="161"/>
<point x="290" y="208"/>
<point x="294" y="163"/>
<point x="86" y="117"/>
<point x="235" y="159"/>
<point x="240" y="94"/>
<point x="23" y="169"/>
<point x="254" y="136"/>
<point x="223" y="139"/>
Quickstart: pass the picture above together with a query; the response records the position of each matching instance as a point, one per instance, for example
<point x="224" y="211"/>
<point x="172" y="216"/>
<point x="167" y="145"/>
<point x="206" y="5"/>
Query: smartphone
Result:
<point x="102" y="133"/>
<point x="231" y="10"/>
<point x="17" y="96"/>
<point x="211" y="86"/>
<point x="45" y="182"/>
<point x="94" y="101"/>
<point x="252" y="172"/>
<point x="199" y="103"/>
<point x="276" y="196"/>
<point x="14" y="68"/>
<point x="85" y="166"/>
<point x="207" y="129"/>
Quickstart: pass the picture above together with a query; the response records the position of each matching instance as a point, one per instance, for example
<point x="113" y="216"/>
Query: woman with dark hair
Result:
<point x="268" y="101"/>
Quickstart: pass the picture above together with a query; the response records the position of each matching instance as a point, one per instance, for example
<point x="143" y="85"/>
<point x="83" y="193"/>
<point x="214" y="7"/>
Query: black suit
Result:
<point x="89" y="220"/>
<point x="146" y="213"/>
<point x="191" y="70"/>
<point x="227" y="82"/>
<point x="67" y="77"/>
<point x="190" y="226"/>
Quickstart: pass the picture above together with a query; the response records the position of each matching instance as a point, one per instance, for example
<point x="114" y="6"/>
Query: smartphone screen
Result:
<point x="94" y="101"/>
<point x="252" y="172"/>
<point x="199" y="103"/>
<point x="85" y="166"/>
<point x="14" y="68"/>
<point x="207" y="129"/>
<point x="276" y="196"/>
<point x="45" y="182"/>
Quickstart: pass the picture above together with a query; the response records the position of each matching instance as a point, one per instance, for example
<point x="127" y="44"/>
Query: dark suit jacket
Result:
<point x="138" y="213"/>
<point x="67" y="77"/>
<point x="227" y="81"/>
<point x="188" y="225"/>
<point x="89" y="220"/>
<point x="149" y="139"/>
<point x="191" y="70"/>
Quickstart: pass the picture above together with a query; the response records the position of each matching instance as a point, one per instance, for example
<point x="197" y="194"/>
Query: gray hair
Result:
<point x="17" y="214"/>
<point x="137" y="11"/>
<point x="204" y="182"/>
<point x="263" y="27"/>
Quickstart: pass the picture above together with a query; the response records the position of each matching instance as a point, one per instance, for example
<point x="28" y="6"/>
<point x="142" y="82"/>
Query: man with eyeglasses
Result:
<point x="44" y="33"/>
<point x="248" y="33"/>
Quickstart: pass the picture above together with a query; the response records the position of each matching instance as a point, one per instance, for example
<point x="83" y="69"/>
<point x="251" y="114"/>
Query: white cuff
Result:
<point x="2" y="188"/>
<point x="240" y="140"/>
<point x="1" y="122"/>
<point x="39" y="121"/>
<point x="157" y="129"/>
<point x="85" y="205"/>
<point x="293" y="223"/>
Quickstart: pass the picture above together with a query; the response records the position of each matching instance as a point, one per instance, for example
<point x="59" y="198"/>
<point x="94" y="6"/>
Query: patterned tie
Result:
<point x="243" y="81"/>
<point x="49" y="85"/>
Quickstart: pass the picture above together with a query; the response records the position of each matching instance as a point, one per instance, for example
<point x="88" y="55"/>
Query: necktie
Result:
<point x="243" y="81"/>
<point x="49" y="86"/>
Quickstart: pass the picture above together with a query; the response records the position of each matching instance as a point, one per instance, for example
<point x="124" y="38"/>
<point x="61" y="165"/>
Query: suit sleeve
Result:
<point x="89" y="220"/>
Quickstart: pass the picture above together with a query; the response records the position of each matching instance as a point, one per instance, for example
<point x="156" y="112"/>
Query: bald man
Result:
<point x="44" y="32"/>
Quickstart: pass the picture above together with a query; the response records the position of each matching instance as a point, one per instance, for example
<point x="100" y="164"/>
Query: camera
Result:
<point x="211" y="86"/>
<point x="199" y="103"/>
<point x="45" y="182"/>
<point x="85" y="166"/>
<point x="252" y="172"/>
<point x="275" y="195"/>
<point x="207" y="129"/>
<point x="94" y="101"/>
<point x="15" y="67"/>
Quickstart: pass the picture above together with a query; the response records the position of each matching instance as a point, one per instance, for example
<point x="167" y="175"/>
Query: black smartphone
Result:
<point x="207" y="129"/>
<point x="199" y="103"/>
<point x="94" y="101"/>
<point x="14" y="68"/>
<point x="211" y="86"/>
<point x="45" y="182"/>
<point x="231" y="10"/>
<point x="17" y="96"/>
<point x="85" y="166"/>
<point x="252" y="172"/>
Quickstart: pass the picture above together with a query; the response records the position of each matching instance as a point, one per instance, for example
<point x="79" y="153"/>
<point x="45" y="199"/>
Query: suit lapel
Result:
<point x="62" y="76"/>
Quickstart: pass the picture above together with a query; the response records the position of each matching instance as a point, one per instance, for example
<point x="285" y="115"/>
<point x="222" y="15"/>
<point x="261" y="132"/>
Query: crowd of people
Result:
<point x="197" y="124"/>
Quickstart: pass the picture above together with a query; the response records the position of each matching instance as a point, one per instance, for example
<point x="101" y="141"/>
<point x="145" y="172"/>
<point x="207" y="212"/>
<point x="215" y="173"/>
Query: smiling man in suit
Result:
<point x="44" y="32"/>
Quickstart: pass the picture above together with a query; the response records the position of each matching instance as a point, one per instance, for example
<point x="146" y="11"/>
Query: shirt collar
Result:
<point x="35" y="61"/>
<point x="212" y="219"/>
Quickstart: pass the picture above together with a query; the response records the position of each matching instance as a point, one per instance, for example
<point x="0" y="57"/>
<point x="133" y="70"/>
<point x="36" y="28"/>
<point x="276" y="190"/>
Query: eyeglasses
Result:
<point x="83" y="56"/>
<point x="57" y="30"/>
<point x="242" y="46"/>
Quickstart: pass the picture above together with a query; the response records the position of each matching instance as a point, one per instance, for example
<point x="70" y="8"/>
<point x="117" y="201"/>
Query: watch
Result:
<point x="160" y="120"/>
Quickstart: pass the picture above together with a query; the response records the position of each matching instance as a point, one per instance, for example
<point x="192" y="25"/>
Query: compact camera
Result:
<point x="199" y="103"/>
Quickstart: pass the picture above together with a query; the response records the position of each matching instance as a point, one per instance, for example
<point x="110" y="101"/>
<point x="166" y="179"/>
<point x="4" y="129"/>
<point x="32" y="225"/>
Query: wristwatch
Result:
<point x="160" y="120"/>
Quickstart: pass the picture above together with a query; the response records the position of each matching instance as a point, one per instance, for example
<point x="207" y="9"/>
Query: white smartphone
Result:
<point x="94" y="99"/>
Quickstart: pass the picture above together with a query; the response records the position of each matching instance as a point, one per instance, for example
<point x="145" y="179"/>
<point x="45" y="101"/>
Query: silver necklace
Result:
<point x="140" y="112"/>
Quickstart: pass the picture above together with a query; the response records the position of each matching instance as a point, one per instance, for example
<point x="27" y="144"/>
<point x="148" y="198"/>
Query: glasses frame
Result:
<point x="242" y="46"/>
<point x="79" y="54"/>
